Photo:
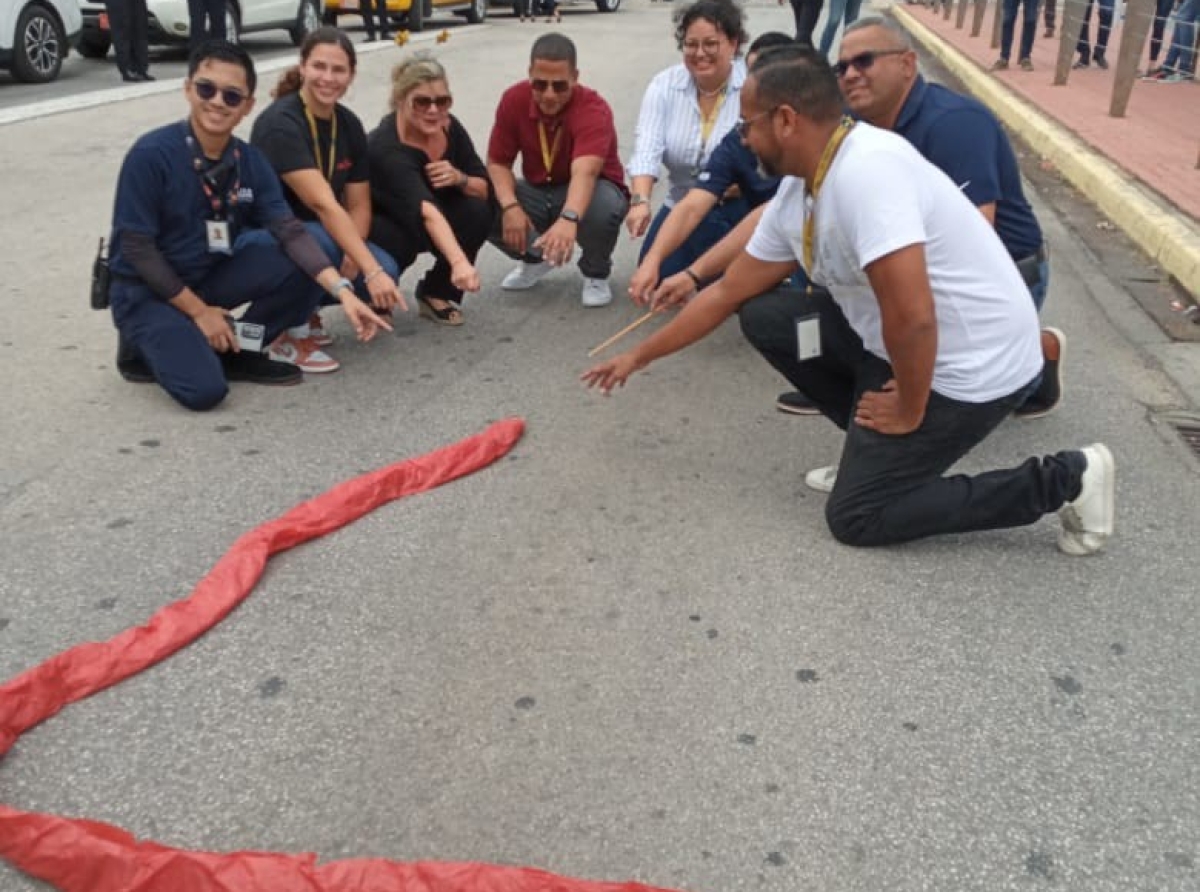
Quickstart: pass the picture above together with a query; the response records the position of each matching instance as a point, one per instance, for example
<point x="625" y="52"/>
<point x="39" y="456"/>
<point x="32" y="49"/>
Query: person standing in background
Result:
<point x="206" y="20"/>
<point x="372" y="11"/>
<point x="127" y="22"/>
<point x="840" y="12"/>
<point x="806" y="12"/>
<point x="1008" y="27"/>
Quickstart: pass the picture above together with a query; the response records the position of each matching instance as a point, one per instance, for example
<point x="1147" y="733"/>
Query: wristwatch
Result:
<point x="570" y="216"/>
<point x="339" y="285"/>
<point x="638" y="199"/>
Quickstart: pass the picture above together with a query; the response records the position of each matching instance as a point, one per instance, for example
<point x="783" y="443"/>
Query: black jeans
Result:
<point x="806" y="13"/>
<point x="376" y="11"/>
<point x="1103" y="28"/>
<point x="206" y="19"/>
<point x="128" y="21"/>
<point x="469" y="218"/>
<point x="891" y="488"/>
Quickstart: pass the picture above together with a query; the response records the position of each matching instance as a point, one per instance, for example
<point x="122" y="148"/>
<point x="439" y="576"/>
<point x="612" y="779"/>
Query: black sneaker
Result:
<point x="1049" y="393"/>
<point x="1101" y="62"/>
<point x="258" y="369"/>
<point x="796" y="403"/>
<point x="131" y="366"/>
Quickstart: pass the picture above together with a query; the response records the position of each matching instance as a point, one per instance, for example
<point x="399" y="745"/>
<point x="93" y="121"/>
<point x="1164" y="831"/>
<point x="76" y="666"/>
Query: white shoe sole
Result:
<point x="1076" y="538"/>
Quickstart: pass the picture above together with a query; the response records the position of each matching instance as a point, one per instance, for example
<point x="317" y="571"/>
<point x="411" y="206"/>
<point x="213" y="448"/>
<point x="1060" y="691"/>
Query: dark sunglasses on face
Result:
<point x="207" y="90"/>
<point x="541" y="86"/>
<point x="862" y="61"/>
<point x="425" y="103"/>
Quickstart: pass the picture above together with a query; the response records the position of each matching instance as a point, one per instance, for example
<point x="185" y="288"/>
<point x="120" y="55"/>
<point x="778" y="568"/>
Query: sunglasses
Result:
<point x="541" y="86"/>
<point x="425" y="103"/>
<point x="207" y="91"/>
<point x="862" y="61"/>
<point x="743" y="125"/>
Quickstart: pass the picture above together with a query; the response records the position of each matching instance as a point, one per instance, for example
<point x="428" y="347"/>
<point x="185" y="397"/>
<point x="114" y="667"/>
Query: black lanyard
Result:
<point x="219" y="198"/>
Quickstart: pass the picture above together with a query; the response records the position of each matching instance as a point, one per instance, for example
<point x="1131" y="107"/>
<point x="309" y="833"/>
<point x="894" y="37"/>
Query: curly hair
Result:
<point x="724" y="15"/>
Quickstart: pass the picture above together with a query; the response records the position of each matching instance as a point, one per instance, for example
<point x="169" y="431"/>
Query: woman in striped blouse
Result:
<point x="686" y="111"/>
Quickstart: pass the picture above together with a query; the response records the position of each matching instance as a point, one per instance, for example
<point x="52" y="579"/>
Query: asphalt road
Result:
<point x="631" y="649"/>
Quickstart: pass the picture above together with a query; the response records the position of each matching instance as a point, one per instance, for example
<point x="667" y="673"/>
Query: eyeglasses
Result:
<point x="709" y="47"/>
<point x="862" y="61"/>
<point x="743" y="125"/>
<point x="207" y="91"/>
<point x="425" y="103"/>
<point x="541" y="86"/>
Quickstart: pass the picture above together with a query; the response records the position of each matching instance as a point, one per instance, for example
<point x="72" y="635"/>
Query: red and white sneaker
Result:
<point x="303" y="354"/>
<point x="318" y="333"/>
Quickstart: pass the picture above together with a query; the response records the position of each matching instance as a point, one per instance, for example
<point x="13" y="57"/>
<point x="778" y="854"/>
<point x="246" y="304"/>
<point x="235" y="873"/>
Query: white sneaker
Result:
<point x="596" y="292"/>
<point x="822" y="479"/>
<point x="1088" y="521"/>
<point x="303" y="354"/>
<point x="525" y="276"/>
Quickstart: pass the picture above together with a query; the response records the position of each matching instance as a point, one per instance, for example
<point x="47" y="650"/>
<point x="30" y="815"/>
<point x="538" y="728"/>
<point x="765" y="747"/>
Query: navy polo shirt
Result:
<point x="733" y="164"/>
<point x="962" y="137"/>
<point x="159" y="194"/>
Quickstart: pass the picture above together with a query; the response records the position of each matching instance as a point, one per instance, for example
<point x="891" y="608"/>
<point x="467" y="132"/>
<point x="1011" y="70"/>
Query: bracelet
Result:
<point x="508" y="207"/>
<point x="464" y="182"/>
<point x="367" y="278"/>
<point x="695" y="278"/>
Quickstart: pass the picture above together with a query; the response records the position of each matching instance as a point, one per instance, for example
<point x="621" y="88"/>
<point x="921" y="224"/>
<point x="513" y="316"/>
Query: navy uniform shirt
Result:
<point x="733" y="164"/>
<point x="160" y="194"/>
<point x="962" y="137"/>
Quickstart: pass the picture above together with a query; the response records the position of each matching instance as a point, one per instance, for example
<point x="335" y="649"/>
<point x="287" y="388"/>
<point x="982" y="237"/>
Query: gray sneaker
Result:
<point x="1087" y="522"/>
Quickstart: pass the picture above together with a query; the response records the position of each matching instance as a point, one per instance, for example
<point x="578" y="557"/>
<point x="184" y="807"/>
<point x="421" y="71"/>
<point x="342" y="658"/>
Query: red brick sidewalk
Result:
<point x="1158" y="139"/>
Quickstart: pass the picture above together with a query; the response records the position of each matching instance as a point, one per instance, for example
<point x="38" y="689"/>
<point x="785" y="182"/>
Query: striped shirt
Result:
<point x="669" y="130"/>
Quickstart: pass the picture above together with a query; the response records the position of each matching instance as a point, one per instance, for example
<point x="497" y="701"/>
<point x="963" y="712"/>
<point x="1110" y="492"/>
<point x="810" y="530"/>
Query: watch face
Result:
<point x="570" y="215"/>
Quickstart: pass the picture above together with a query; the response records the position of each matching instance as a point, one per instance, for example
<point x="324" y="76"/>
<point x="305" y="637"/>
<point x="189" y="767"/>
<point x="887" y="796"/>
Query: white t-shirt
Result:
<point x="881" y="195"/>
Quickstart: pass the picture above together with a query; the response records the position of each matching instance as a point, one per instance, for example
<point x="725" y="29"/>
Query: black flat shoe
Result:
<point x="146" y="76"/>
<point x="131" y="366"/>
<point x="447" y="315"/>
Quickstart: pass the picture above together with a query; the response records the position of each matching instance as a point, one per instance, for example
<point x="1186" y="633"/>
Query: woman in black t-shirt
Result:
<point x="319" y="149"/>
<point x="429" y="188"/>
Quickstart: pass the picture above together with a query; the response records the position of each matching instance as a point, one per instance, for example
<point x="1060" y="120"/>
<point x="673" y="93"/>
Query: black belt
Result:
<point x="1030" y="267"/>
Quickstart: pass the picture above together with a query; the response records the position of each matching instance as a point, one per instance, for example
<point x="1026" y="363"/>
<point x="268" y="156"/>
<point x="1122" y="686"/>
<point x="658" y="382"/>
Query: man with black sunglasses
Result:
<point x="572" y="188"/>
<point x="186" y="193"/>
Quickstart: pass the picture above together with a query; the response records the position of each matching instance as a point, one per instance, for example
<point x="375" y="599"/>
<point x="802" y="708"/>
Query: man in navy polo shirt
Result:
<point x="683" y="237"/>
<point x="185" y="193"/>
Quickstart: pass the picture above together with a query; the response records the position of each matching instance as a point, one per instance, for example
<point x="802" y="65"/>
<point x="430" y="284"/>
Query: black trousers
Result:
<point x="469" y="218"/>
<point x="890" y="488"/>
<point x="806" y="13"/>
<point x="375" y="11"/>
<point x="206" y="19"/>
<point x="127" y="20"/>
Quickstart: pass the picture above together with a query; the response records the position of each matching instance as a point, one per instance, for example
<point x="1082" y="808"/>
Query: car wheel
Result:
<point x="94" y="46"/>
<point x="40" y="46"/>
<point x="308" y="19"/>
<point x="416" y="16"/>
<point x="608" y="5"/>
<point x="477" y="13"/>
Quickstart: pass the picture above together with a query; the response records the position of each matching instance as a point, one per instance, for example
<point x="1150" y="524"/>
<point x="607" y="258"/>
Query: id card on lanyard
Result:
<point x="213" y="179"/>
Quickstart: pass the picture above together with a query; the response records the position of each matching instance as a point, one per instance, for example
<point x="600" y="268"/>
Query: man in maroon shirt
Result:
<point x="573" y="185"/>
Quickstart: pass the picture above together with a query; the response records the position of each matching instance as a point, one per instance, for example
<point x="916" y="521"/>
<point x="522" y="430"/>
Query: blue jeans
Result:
<point x="716" y="224"/>
<point x="280" y="295"/>
<point x="840" y="11"/>
<point x="1180" y="57"/>
<point x="1107" y="8"/>
<point x="1028" y="27"/>
<point x="893" y="488"/>
<point x="335" y="254"/>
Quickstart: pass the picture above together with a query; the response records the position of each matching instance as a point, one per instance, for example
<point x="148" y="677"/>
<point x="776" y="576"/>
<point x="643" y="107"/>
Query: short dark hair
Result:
<point x="554" y="47"/>
<point x="800" y="77"/>
<point x="725" y="15"/>
<point x="223" y="51"/>
<point x="769" y="40"/>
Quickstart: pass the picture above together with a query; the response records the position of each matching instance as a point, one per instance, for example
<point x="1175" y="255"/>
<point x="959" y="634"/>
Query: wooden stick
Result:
<point x="624" y="331"/>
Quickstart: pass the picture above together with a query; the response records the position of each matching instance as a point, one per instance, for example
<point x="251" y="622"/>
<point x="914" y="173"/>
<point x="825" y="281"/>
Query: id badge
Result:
<point x="218" y="237"/>
<point x="808" y="337"/>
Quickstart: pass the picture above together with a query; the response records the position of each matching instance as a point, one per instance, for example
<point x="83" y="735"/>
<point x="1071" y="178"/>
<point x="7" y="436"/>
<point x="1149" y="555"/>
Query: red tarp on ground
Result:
<point x="87" y="856"/>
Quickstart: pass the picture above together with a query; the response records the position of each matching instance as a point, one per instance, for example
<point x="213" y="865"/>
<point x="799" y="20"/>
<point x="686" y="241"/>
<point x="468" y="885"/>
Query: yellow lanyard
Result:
<point x="312" y="127"/>
<point x="707" y="123"/>
<point x="810" y="226"/>
<point x="549" y="151"/>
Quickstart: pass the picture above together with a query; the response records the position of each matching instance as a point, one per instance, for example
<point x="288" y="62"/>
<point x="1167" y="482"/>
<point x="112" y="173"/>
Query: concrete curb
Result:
<point x="1169" y="237"/>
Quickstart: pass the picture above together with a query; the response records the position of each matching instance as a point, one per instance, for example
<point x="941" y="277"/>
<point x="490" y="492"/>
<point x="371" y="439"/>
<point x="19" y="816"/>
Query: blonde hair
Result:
<point x="421" y="68"/>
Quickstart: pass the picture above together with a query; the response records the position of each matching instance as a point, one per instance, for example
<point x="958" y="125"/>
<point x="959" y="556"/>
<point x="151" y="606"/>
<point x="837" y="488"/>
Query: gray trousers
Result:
<point x="599" y="225"/>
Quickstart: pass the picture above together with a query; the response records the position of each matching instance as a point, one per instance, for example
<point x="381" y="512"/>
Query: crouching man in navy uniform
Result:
<point x="186" y="193"/>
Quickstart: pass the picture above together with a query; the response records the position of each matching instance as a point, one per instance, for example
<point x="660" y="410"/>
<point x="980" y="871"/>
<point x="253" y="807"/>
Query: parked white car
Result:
<point x="169" y="21"/>
<point x="36" y="36"/>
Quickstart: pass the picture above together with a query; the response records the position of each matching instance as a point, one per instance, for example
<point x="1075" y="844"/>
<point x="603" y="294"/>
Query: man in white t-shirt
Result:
<point x="924" y="343"/>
